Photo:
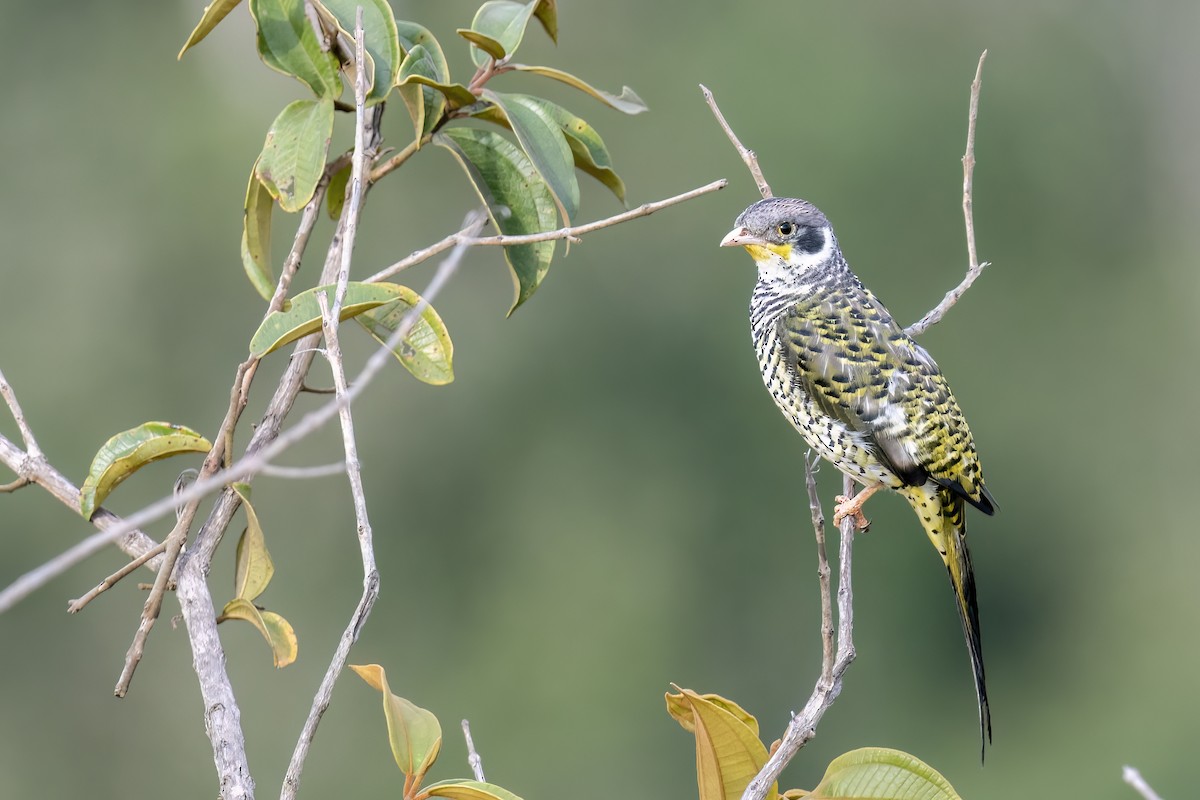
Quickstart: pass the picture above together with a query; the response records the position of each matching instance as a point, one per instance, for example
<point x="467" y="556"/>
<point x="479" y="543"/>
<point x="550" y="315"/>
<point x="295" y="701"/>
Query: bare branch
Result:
<point x="974" y="268"/>
<point x="76" y="606"/>
<point x="10" y="397"/>
<point x="472" y="756"/>
<point x="1134" y="778"/>
<point x="748" y="156"/>
<point x="811" y="464"/>
<point x="803" y="726"/>
<point x="461" y="237"/>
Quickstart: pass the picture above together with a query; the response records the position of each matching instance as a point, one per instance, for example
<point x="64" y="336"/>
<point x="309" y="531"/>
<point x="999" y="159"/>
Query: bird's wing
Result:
<point x="862" y="370"/>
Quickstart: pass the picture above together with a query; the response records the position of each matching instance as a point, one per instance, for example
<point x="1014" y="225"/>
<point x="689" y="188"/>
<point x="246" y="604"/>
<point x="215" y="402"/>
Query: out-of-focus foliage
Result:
<point x="604" y="499"/>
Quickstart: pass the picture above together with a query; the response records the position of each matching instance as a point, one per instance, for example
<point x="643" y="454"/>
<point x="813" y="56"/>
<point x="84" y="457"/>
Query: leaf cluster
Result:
<point x="729" y="755"/>
<point x="528" y="183"/>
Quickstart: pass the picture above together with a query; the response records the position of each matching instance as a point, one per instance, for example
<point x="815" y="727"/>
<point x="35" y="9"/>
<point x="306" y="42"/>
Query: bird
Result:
<point x="862" y="393"/>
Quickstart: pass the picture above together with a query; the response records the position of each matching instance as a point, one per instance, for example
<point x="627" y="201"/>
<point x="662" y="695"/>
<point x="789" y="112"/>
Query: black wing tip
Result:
<point x="985" y="502"/>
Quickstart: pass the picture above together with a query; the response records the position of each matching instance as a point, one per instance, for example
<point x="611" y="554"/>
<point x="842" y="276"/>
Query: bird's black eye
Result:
<point x="785" y="229"/>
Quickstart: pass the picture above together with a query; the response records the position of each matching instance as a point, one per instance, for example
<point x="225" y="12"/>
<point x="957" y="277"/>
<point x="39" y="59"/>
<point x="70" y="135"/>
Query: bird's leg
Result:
<point x="852" y="506"/>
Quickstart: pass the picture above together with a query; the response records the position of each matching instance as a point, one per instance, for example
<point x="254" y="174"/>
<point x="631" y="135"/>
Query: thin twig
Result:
<point x="818" y="520"/>
<point x="974" y="268"/>
<point x="472" y="756"/>
<point x="397" y="160"/>
<point x="333" y="351"/>
<point x="10" y="397"/>
<point x="1135" y="779"/>
<point x="303" y="473"/>
<point x="19" y="483"/>
<point x="76" y="606"/>
<point x="803" y="726"/>
<point x="371" y="575"/>
<point x="172" y="547"/>
<point x="748" y="156"/>
<point x="461" y="237"/>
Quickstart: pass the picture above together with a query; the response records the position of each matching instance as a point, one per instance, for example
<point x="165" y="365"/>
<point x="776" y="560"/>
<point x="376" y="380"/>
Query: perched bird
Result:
<point x="861" y="392"/>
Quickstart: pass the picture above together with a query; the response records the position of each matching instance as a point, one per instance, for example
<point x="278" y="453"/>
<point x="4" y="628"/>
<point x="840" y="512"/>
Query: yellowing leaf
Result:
<point x="129" y="451"/>
<point x="256" y="236"/>
<point x="470" y="790"/>
<point x="303" y="316"/>
<point x="214" y="12"/>
<point x="879" y="773"/>
<point x="679" y="706"/>
<point x="254" y="566"/>
<point x="413" y="732"/>
<point x="426" y="350"/>
<point x="728" y="752"/>
<point x="274" y="628"/>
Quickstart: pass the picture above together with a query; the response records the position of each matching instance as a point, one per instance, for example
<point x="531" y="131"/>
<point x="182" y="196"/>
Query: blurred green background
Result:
<point x="606" y="500"/>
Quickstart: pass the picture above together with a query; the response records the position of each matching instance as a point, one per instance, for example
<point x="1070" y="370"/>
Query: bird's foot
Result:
<point x="846" y="507"/>
<point x="852" y="507"/>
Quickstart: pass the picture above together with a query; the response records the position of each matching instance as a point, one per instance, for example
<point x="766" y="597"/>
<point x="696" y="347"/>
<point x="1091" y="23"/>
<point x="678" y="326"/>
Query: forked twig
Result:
<point x="748" y="155"/>
<point x="974" y="268"/>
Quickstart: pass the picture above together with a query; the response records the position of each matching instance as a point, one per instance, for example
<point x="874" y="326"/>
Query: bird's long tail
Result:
<point x="943" y="516"/>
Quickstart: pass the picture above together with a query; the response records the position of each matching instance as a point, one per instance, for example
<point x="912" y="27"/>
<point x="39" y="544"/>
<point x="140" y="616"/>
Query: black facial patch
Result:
<point x="810" y="240"/>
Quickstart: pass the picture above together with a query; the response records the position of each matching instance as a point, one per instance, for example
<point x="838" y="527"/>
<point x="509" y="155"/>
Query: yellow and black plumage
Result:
<point x="860" y="391"/>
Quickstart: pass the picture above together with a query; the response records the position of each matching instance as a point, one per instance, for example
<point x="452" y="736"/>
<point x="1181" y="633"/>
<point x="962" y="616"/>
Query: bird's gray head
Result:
<point x="784" y="236"/>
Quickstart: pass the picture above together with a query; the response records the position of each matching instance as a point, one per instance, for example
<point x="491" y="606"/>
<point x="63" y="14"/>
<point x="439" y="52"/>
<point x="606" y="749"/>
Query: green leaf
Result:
<point x="293" y="156"/>
<point x="275" y="629"/>
<point x="426" y="350"/>
<point x="335" y="193"/>
<point x="879" y="773"/>
<point x="381" y="44"/>
<point x="547" y="14"/>
<point x="543" y="141"/>
<point x="482" y="42"/>
<point x="456" y="94"/>
<point x="304" y="315"/>
<point x="412" y="34"/>
<point x="627" y="101"/>
<point x="256" y="236"/>
<point x="728" y="752"/>
<point x="469" y="790"/>
<point x="287" y="43"/>
<point x="425" y="104"/>
<point x="128" y="451"/>
<point x="413" y="732"/>
<point x="517" y="199"/>
<point x="587" y="147"/>
<point x="214" y="12"/>
<point x="254" y="568"/>
<point x="498" y="28"/>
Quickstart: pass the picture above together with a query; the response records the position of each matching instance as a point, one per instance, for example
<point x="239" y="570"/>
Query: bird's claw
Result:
<point x="848" y="507"/>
